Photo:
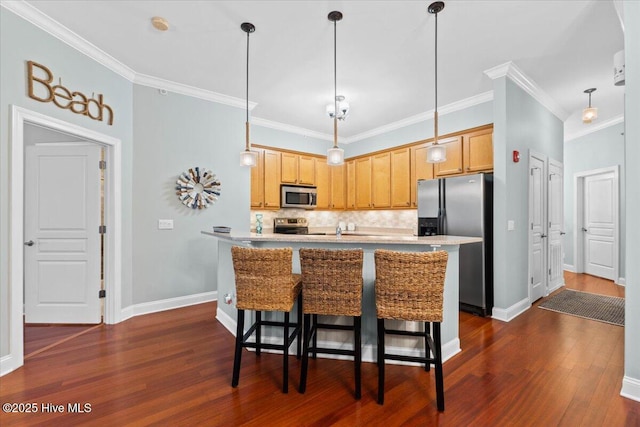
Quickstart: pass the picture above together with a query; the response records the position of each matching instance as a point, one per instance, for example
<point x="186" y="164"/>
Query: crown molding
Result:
<point x="291" y="129"/>
<point x="62" y="33"/>
<point x="509" y="69"/>
<point x="427" y="115"/>
<point x="595" y="128"/>
<point x="162" y="84"/>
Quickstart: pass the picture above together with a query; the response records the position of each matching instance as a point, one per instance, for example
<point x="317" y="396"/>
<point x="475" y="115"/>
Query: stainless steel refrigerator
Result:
<point x="463" y="206"/>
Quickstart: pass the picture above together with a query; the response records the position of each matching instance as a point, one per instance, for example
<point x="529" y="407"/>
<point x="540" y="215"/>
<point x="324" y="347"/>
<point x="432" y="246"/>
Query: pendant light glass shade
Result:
<point x="590" y="113"/>
<point x="436" y="153"/>
<point x="247" y="157"/>
<point x="335" y="155"/>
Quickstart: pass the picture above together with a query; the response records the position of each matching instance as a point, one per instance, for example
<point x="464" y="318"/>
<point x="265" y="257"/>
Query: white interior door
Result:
<point x="599" y="226"/>
<point x="556" y="224"/>
<point x="62" y="240"/>
<point x="537" y="228"/>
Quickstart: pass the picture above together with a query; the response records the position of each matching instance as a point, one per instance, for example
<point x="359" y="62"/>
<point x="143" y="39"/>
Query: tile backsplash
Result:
<point x="405" y="219"/>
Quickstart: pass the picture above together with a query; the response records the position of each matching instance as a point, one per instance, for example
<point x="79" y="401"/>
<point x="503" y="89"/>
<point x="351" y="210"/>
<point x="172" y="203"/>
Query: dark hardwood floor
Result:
<point x="174" y="368"/>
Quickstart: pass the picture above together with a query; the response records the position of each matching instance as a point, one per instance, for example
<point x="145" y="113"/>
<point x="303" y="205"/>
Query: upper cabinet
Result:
<point x="478" y="151"/>
<point x="298" y="169"/>
<point x="385" y="179"/>
<point x="420" y="169"/>
<point x="453" y="164"/>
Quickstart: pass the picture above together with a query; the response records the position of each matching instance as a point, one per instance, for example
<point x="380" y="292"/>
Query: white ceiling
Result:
<point x="385" y="52"/>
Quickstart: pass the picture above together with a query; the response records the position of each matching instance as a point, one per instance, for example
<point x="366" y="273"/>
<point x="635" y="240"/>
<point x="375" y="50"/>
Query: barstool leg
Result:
<point x="285" y="355"/>
<point x="357" y="341"/>
<point x="299" y="334"/>
<point x="258" y="330"/>
<point x="438" y="357"/>
<point x="238" y="352"/>
<point x="380" y="361"/>
<point x="305" y="354"/>
<point x="427" y="332"/>
<point x="314" y="326"/>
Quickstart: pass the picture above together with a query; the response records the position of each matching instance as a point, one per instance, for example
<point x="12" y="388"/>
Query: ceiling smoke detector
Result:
<point x="159" y="23"/>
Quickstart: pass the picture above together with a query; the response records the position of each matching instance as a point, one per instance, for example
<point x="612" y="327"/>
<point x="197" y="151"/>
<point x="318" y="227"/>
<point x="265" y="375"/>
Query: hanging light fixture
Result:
<point x="436" y="153"/>
<point x="343" y="108"/>
<point x="335" y="155"/>
<point x="590" y="113"/>
<point x="248" y="157"/>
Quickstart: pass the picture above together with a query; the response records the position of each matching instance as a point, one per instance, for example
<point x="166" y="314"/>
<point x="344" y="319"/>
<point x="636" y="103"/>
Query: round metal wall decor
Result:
<point x="198" y="188"/>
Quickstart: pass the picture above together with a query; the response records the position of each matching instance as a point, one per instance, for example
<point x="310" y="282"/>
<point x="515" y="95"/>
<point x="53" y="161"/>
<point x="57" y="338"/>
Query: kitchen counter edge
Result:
<point x="302" y="238"/>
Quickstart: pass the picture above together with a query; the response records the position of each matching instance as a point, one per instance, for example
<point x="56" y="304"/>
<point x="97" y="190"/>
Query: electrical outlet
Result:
<point x="165" y="224"/>
<point x="511" y="225"/>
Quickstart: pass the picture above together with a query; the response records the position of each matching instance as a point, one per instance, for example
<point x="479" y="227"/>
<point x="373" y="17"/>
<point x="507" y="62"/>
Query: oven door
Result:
<point x="298" y="197"/>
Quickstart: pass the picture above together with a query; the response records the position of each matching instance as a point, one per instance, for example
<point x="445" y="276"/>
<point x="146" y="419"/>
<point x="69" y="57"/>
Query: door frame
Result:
<point x="578" y="217"/>
<point x="113" y="218"/>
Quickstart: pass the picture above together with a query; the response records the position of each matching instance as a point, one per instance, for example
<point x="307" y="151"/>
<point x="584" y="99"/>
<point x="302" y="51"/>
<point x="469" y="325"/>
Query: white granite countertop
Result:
<point x="345" y="238"/>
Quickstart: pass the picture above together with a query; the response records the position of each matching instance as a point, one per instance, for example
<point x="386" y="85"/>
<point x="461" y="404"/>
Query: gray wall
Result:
<point x="601" y="149"/>
<point x="632" y="142"/>
<point x="19" y="43"/>
<point x="520" y="123"/>
<point x="173" y="133"/>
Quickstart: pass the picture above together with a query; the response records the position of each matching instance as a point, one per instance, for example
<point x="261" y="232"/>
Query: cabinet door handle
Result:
<point x="459" y="170"/>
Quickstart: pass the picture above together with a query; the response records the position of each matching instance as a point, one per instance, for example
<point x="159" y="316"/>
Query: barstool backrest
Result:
<point x="263" y="278"/>
<point x="410" y="285"/>
<point x="332" y="281"/>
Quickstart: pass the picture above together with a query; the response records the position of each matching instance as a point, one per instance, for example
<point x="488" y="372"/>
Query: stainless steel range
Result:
<point x="290" y="226"/>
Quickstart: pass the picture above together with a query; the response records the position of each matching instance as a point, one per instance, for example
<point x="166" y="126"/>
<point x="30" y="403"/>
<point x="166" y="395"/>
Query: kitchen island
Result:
<point x="226" y="312"/>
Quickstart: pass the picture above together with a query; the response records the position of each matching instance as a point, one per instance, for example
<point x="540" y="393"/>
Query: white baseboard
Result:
<point x="8" y="364"/>
<point x="569" y="267"/>
<point x="621" y="281"/>
<point x="630" y="388"/>
<point x="226" y="321"/>
<point x="510" y="313"/>
<point x="167" y="304"/>
<point x="555" y="288"/>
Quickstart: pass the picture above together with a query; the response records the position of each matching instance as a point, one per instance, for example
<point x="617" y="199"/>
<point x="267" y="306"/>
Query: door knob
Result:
<point x="29" y="243"/>
<point x="543" y="235"/>
<point x="584" y="229"/>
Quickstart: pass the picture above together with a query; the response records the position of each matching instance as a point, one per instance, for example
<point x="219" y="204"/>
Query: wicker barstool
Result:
<point x="331" y="286"/>
<point x="409" y="286"/>
<point x="264" y="282"/>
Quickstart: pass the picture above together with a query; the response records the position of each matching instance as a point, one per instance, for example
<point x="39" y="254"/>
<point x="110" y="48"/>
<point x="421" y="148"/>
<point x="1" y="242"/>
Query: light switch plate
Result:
<point x="165" y="224"/>
<point x="511" y="225"/>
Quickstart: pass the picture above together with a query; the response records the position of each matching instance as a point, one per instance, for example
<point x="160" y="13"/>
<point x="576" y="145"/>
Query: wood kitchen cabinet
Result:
<point x="478" y="151"/>
<point x="420" y="169"/>
<point x="298" y="169"/>
<point x="453" y="164"/>
<point x="351" y="184"/>
<point x="338" y="187"/>
<point x="363" y="182"/>
<point x="323" y="184"/>
<point x="257" y="181"/>
<point x="381" y="178"/>
<point x="271" y="179"/>
<point x="401" y="178"/>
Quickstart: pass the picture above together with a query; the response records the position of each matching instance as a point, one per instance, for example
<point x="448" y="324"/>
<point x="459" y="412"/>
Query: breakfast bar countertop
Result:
<point x="345" y="238"/>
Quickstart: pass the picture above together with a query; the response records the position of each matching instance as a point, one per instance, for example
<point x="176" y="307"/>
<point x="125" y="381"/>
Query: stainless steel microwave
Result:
<point x="294" y="196"/>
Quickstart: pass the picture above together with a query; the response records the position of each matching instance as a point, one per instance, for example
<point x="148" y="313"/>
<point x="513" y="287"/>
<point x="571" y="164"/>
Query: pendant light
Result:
<point x="590" y="113"/>
<point x="436" y="153"/>
<point x="248" y="157"/>
<point x="335" y="155"/>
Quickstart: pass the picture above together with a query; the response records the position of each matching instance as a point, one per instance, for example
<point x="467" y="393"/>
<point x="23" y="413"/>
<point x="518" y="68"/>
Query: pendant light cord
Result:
<point x="435" y="115"/>
<point x="247" y="92"/>
<point x="335" y="86"/>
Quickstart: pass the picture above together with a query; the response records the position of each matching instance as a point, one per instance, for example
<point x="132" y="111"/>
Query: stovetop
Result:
<point x="290" y="226"/>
